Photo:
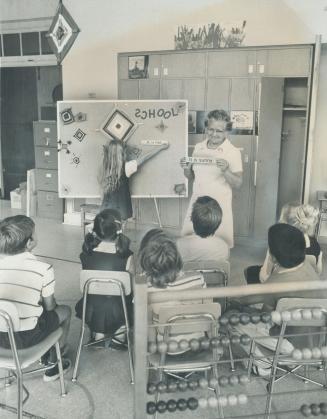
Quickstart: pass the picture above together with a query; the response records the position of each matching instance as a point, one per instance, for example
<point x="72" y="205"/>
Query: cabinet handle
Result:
<point x="255" y="173"/>
<point x="250" y="68"/>
<point x="261" y="68"/>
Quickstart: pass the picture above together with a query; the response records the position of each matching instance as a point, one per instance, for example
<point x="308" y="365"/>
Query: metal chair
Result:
<point x="88" y="213"/>
<point x="16" y="361"/>
<point x="107" y="283"/>
<point x="215" y="272"/>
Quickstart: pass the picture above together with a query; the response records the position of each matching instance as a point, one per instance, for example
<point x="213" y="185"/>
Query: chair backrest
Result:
<point x="215" y="272"/>
<point x="105" y="282"/>
<point x="189" y="318"/>
<point x="290" y="304"/>
<point x="8" y="310"/>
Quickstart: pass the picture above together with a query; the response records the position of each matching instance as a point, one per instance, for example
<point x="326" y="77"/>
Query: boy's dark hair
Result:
<point x="107" y="225"/>
<point x="161" y="261"/>
<point x="206" y="216"/>
<point x="153" y="234"/>
<point x="287" y="244"/>
<point x="15" y="232"/>
<point x="219" y="115"/>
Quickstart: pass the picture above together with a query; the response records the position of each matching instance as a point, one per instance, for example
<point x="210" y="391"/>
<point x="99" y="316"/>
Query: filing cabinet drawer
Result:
<point x="50" y="205"/>
<point x="47" y="180"/>
<point x="45" y="133"/>
<point x="46" y="158"/>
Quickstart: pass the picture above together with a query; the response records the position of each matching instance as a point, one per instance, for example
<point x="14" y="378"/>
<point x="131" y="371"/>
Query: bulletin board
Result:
<point x="84" y="127"/>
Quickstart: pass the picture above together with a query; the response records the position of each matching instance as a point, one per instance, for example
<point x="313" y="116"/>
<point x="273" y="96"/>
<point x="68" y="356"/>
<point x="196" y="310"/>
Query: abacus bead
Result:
<point x="245" y="318"/>
<point x="181" y="404"/>
<point x="192" y="403"/>
<point x="296" y="315"/>
<point x="307" y="314"/>
<point x="223" y="321"/>
<point x="172" y="386"/>
<point x="276" y="317"/>
<point x="203" y="403"/>
<point x="171" y="405"/>
<point x="224" y="341"/>
<point x="233" y="380"/>
<point x="222" y="401"/>
<point x="194" y="345"/>
<point x="316" y="353"/>
<point x="317" y="313"/>
<point x="162" y="387"/>
<point x="213" y="382"/>
<point x="245" y="340"/>
<point x="244" y="379"/>
<point x="223" y="381"/>
<point x="151" y="408"/>
<point x="297" y="354"/>
<point x="172" y="346"/>
<point x="306" y="410"/>
<point x="286" y="316"/>
<point x="182" y="385"/>
<point x="235" y="340"/>
<point x="162" y="347"/>
<point x="203" y="383"/>
<point x="306" y="353"/>
<point x="161" y="406"/>
<point x="212" y="402"/>
<point x="324" y="351"/>
<point x="255" y="318"/>
<point x="323" y="408"/>
<point x="183" y="345"/>
<point x="152" y="388"/>
<point x="232" y="400"/>
<point x="234" y="320"/>
<point x="265" y="317"/>
<point x="152" y="347"/>
<point x="193" y="385"/>
<point x="204" y="343"/>
<point x="242" y="398"/>
<point x="214" y="342"/>
<point x="315" y="409"/>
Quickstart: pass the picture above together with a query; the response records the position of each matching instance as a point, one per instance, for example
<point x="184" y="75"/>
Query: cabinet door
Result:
<point x="185" y="64"/>
<point x="128" y="89"/>
<point x="194" y="92"/>
<point x="286" y="62"/>
<point x="218" y="94"/>
<point x="231" y="63"/>
<point x="149" y="89"/>
<point x="171" y="89"/>
<point x="242" y="94"/>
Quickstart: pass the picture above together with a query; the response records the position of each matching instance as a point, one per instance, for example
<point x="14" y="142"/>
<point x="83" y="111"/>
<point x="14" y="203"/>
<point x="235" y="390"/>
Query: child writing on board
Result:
<point x="115" y="174"/>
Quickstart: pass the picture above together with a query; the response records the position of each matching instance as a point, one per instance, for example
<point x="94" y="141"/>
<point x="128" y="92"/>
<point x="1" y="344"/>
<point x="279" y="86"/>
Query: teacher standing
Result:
<point x="215" y="180"/>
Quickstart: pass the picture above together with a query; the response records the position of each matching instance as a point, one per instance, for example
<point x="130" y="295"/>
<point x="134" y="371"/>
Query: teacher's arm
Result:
<point x="235" y="179"/>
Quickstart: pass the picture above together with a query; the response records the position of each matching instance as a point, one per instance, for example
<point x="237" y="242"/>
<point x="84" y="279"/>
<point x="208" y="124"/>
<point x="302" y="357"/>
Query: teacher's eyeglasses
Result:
<point x="215" y="131"/>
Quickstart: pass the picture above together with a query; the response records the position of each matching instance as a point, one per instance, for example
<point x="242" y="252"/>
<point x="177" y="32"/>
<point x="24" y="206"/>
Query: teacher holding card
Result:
<point x="217" y="177"/>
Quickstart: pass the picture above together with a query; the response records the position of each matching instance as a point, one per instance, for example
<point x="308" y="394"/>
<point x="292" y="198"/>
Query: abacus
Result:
<point x="226" y="393"/>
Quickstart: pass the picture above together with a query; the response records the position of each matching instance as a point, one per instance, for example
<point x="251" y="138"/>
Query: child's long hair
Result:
<point x="112" y="166"/>
<point x="107" y="226"/>
<point x="304" y="217"/>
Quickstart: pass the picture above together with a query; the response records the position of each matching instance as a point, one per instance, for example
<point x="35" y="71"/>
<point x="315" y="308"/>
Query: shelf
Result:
<point x="294" y="108"/>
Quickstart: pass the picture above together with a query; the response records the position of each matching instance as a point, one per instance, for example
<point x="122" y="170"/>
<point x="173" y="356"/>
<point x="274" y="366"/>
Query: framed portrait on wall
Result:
<point x="138" y="67"/>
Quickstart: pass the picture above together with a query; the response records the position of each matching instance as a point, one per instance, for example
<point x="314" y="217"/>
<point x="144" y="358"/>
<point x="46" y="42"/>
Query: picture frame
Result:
<point x="138" y="67"/>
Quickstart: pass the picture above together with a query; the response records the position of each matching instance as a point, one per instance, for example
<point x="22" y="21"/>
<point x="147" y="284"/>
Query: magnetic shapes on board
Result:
<point x="180" y="189"/>
<point x="80" y="117"/>
<point x="118" y="125"/>
<point x="161" y="127"/>
<point x="75" y="160"/>
<point x="79" y="135"/>
<point x="64" y="146"/>
<point x="180" y="107"/>
<point x="67" y="116"/>
<point x="65" y="189"/>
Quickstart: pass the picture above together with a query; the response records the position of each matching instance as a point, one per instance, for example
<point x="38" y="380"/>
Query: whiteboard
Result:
<point x="85" y="126"/>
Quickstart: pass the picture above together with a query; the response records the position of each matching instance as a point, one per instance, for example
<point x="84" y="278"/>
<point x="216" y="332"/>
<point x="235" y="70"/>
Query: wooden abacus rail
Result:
<point x="141" y="318"/>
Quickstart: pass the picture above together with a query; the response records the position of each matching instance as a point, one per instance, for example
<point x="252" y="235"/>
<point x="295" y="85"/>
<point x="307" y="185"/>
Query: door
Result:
<point x="18" y="111"/>
<point x="267" y="163"/>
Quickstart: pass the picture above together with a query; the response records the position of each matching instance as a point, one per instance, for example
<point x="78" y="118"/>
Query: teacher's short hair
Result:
<point x="206" y="216"/>
<point x="287" y="244"/>
<point x="219" y="115"/>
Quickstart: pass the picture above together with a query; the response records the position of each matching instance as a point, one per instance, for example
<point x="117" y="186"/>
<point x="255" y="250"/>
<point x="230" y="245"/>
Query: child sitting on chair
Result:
<point x="30" y="283"/>
<point x="106" y="248"/>
<point x="203" y="244"/>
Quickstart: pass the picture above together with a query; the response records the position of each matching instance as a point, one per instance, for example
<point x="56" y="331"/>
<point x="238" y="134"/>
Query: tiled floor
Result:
<point x="103" y="390"/>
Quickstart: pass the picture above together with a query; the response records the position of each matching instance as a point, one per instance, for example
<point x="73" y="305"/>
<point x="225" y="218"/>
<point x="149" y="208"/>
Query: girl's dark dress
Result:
<point x="104" y="314"/>
<point x="120" y="199"/>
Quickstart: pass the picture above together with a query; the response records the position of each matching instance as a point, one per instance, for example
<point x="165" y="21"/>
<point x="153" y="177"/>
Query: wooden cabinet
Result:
<point x="49" y="205"/>
<point x="231" y="63"/>
<point x="183" y="65"/>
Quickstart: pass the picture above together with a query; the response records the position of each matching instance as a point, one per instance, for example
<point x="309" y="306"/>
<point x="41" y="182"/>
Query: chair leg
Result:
<point x="61" y="372"/>
<point x="20" y="395"/>
<point x="129" y="348"/>
<point x="78" y="354"/>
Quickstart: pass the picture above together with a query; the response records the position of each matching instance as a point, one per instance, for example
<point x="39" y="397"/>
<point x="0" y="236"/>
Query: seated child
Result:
<point x="303" y="217"/>
<point x="29" y="283"/>
<point x="287" y="249"/>
<point x="203" y="244"/>
<point x="106" y="248"/>
<point x="161" y="262"/>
